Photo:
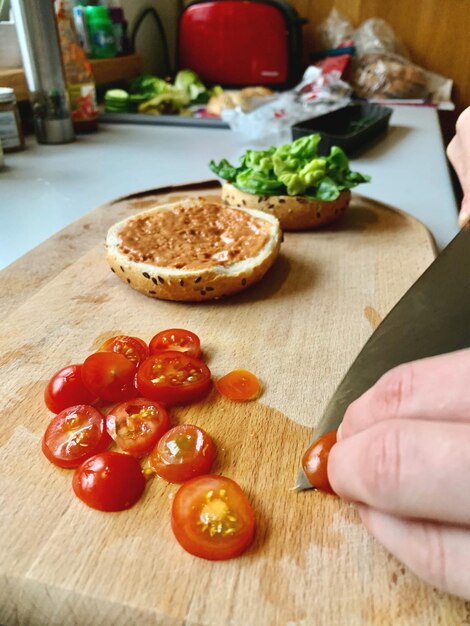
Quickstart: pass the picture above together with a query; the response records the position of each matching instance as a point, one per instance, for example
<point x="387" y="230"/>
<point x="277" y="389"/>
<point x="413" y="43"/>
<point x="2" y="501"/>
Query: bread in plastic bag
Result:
<point x="376" y="35"/>
<point x="385" y="75"/>
<point x="382" y="68"/>
<point x="335" y="30"/>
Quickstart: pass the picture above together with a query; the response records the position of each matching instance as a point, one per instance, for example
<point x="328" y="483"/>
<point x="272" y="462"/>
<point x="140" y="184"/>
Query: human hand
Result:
<point x="458" y="152"/>
<point x="403" y="454"/>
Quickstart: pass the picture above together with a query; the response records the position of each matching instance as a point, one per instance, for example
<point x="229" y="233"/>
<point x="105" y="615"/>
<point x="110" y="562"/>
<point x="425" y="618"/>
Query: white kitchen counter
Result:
<point x="46" y="188"/>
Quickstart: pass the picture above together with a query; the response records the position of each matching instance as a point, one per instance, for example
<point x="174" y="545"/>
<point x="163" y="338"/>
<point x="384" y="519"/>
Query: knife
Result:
<point x="433" y="317"/>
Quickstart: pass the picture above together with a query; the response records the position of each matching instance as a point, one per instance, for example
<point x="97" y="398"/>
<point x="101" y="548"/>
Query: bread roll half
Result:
<point x="194" y="250"/>
<point x="293" y="212"/>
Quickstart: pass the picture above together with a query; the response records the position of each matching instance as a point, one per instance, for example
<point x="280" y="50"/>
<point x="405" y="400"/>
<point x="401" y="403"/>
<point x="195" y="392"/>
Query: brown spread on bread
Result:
<point x="193" y="237"/>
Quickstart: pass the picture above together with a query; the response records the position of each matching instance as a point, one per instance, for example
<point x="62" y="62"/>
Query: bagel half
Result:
<point x="293" y="212"/>
<point x="180" y="232"/>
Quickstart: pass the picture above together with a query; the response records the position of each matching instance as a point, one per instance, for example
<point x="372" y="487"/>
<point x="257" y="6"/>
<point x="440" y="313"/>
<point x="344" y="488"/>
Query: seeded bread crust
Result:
<point x="293" y="212"/>
<point x="192" y="285"/>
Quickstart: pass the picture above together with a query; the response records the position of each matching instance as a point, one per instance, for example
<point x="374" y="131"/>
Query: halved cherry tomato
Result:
<point x="133" y="348"/>
<point x="110" y="376"/>
<point x="315" y="462"/>
<point x="212" y="518"/>
<point x="137" y="425"/>
<point x="109" y="481"/>
<point x="74" y="435"/>
<point x="66" y="389"/>
<point x="182" y="453"/>
<point x="176" y="339"/>
<point x="239" y="385"/>
<point x="173" y="378"/>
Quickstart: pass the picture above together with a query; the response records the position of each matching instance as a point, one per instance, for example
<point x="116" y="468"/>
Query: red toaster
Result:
<point x="236" y="43"/>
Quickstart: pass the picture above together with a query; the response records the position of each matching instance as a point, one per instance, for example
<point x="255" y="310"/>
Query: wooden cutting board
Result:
<point x="312" y="562"/>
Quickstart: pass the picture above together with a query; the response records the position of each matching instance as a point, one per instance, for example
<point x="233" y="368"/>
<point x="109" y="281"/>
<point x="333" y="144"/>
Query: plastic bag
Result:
<point x="376" y="35"/>
<point x="316" y="94"/>
<point x="335" y="30"/>
<point x="385" y="75"/>
<point x="382" y="68"/>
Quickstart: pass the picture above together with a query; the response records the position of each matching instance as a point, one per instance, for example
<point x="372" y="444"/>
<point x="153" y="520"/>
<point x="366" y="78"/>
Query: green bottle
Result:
<point x="100" y="27"/>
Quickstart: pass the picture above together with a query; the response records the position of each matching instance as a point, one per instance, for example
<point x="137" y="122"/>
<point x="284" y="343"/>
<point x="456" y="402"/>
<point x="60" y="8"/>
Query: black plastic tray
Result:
<point x="351" y="127"/>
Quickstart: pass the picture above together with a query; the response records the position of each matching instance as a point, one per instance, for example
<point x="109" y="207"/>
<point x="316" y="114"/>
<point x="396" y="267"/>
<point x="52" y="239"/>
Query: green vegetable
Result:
<point x="188" y="83"/>
<point x="148" y="86"/>
<point x="166" y="103"/>
<point x="292" y="169"/>
<point x="116" y="101"/>
<point x="150" y="94"/>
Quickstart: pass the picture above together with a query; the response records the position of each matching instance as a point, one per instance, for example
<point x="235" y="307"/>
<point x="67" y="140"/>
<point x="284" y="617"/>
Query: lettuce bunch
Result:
<point x="292" y="169"/>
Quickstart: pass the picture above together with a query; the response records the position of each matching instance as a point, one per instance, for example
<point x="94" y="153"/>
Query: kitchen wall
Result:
<point x="148" y="42"/>
<point x="436" y="32"/>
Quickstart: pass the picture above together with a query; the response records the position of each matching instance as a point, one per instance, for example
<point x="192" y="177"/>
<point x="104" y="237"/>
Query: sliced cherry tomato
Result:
<point x="182" y="453"/>
<point x="109" y="481"/>
<point x="173" y="378"/>
<point x="212" y="518"/>
<point x="239" y="385"/>
<point x="137" y="425"/>
<point x="133" y="348"/>
<point x="176" y="339"/>
<point x="66" y="389"/>
<point x="315" y="462"/>
<point x="110" y="376"/>
<point x="74" y="435"/>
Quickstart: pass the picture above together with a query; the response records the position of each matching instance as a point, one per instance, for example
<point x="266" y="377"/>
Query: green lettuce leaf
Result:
<point x="292" y="169"/>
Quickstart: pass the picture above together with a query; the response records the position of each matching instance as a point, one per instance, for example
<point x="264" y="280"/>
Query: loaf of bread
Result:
<point x="293" y="212"/>
<point x="385" y="75"/>
<point x="232" y="98"/>
<point x="193" y="250"/>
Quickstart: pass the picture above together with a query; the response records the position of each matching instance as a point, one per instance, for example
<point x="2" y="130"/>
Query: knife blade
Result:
<point x="433" y="317"/>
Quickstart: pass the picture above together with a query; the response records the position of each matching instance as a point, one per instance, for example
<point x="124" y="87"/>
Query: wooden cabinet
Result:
<point x="104" y="70"/>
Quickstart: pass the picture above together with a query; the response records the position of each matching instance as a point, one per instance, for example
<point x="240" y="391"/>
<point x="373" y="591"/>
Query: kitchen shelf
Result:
<point x="104" y="70"/>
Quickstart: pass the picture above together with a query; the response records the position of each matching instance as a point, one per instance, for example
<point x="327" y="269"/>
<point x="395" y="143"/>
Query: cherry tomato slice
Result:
<point x="110" y="376"/>
<point x="173" y="378"/>
<point x="182" y="453"/>
<point x="109" y="481"/>
<point x="239" y="385"/>
<point x="176" y="339"/>
<point x="315" y="462"/>
<point x="133" y="348"/>
<point x="137" y="425"/>
<point x="66" y="389"/>
<point x="212" y="518"/>
<point x="74" y="435"/>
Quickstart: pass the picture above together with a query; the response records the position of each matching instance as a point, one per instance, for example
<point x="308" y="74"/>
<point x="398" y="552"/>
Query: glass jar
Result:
<point x="11" y="131"/>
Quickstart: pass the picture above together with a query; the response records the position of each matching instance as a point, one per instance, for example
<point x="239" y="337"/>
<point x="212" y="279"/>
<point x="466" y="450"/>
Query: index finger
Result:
<point x="436" y="389"/>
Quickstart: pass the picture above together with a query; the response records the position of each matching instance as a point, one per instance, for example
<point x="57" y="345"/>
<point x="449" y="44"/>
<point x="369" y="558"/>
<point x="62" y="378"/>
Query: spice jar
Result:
<point x="11" y="132"/>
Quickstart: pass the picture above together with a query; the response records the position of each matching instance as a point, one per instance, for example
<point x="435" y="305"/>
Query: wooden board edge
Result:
<point x="411" y="218"/>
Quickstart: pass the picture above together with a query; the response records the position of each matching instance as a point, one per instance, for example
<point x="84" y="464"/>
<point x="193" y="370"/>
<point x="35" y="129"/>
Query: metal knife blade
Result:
<point x="433" y="317"/>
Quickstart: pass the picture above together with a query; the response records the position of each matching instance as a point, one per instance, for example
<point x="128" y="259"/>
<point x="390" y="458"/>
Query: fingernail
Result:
<point x="464" y="218"/>
<point x="339" y="432"/>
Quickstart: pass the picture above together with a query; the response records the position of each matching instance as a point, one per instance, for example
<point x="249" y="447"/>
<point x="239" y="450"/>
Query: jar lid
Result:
<point x="7" y="94"/>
